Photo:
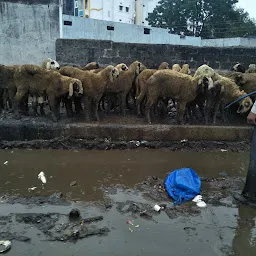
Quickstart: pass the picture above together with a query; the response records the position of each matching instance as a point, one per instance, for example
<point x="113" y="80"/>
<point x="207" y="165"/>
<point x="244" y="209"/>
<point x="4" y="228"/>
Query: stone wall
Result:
<point x="82" y="51"/>
<point x="29" y="29"/>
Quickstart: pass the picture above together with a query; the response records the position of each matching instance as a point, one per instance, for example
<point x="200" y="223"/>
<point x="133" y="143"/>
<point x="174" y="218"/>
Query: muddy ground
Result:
<point x="115" y="192"/>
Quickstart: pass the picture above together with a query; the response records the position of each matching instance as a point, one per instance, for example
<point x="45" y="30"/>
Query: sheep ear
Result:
<point x="70" y="90"/>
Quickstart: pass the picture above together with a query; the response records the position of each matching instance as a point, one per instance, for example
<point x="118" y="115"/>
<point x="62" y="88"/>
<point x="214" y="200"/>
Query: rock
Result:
<point x="74" y="214"/>
<point x="73" y="183"/>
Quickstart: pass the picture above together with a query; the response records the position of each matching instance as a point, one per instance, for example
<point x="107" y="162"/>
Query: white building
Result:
<point x="126" y="11"/>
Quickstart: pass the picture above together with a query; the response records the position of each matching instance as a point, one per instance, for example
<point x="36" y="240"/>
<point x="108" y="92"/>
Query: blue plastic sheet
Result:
<point x="183" y="185"/>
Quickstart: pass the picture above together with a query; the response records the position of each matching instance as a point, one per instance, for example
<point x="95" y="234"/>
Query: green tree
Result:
<point x="206" y="18"/>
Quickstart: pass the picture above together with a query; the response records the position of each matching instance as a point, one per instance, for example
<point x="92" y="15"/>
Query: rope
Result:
<point x="241" y="98"/>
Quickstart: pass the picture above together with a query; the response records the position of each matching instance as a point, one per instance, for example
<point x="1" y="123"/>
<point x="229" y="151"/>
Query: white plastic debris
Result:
<point x="157" y="208"/>
<point x="5" y="245"/>
<point x="31" y="189"/>
<point x="201" y="204"/>
<point x="223" y="150"/>
<point x="182" y="141"/>
<point x="6" y="163"/>
<point x="199" y="201"/>
<point x="41" y="176"/>
<point x="197" y="198"/>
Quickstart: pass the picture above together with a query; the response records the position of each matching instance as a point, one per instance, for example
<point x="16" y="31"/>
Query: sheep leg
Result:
<point x="1" y="100"/>
<point x="215" y="111"/>
<point x="95" y="104"/>
<point x="223" y="113"/>
<point x="87" y="109"/>
<point x="53" y="107"/>
<point x="17" y="102"/>
<point x="41" y="105"/>
<point x="123" y="104"/>
<point x="68" y="106"/>
<point x="78" y="107"/>
<point x="201" y="110"/>
<point x="34" y="105"/>
<point x="181" y="107"/>
<point x="148" y="107"/>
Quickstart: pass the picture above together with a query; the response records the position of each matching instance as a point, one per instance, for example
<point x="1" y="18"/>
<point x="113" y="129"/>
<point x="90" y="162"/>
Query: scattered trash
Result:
<point x="199" y="201"/>
<point x="6" y="163"/>
<point x="223" y="150"/>
<point x="137" y="226"/>
<point x="74" y="214"/>
<point x="201" y="204"/>
<point x="31" y="189"/>
<point x="129" y="222"/>
<point x="136" y="142"/>
<point x="182" y="141"/>
<point x="198" y="198"/>
<point x="5" y="245"/>
<point x="130" y="229"/>
<point x="183" y="185"/>
<point x="143" y="142"/>
<point x="73" y="183"/>
<point x="157" y="208"/>
<point x="41" y="176"/>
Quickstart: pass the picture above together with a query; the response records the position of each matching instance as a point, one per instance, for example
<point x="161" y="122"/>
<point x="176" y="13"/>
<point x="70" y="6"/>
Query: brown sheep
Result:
<point x="120" y="67"/>
<point x="50" y="64"/>
<point x="7" y="86"/>
<point x="246" y="82"/>
<point x="185" y="69"/>
<point x="171" y="84"/>
<point x="111" y="100"/>
<point x="176" y="67"/>
<point x="124" y="83"/>
<point x="231" y="92"/>
<point x="140" y="84"/>
<point x="93" y="85"/>
<point x="90" y="66"/>
<point x="38" y="82"/>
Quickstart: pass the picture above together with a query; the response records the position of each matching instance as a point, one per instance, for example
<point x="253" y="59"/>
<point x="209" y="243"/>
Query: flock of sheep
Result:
<point x="90" y="89"/>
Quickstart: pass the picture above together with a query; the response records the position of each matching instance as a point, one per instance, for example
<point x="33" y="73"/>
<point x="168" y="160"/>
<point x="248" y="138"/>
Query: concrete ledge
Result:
<point x="119" y="132"/>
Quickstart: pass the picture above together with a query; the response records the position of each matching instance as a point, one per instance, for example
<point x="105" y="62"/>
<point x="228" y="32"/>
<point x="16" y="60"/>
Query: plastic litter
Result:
<point x="5" y="245"/>
<point x="183" y="185"/>
<point x="198" y="198"/>
<point x="41" y="176"/>
<point x="6" y="163"/>
<point x="201" y="204"/>
<point x="223" y="150"/>
<point x="31" y="189"/>
<point x="157" y="208"/>
<point x="182" y="141"/>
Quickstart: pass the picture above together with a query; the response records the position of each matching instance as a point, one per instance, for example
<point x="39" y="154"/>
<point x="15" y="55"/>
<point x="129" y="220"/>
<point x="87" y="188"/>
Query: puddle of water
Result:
<point x="216" y="231"/>
<point x="93" y="169"/>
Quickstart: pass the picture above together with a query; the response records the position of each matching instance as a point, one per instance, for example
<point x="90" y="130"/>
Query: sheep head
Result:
<point x="52" y="64"/>
<point x="239" y="67"/>
<point x="245" y="105"/>
<point x="77" y="88"/>
<point x="113" y="74"/>
<point x="176" y="67"/>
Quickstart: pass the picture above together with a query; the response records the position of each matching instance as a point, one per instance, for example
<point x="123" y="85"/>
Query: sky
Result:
<point x="249" y="6"/>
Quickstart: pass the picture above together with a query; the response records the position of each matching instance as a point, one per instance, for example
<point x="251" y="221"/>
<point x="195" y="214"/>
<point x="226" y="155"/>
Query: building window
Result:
<point x="146" y="31"/>
<point x="120" y="7"/>
<point x="127" y="9"/>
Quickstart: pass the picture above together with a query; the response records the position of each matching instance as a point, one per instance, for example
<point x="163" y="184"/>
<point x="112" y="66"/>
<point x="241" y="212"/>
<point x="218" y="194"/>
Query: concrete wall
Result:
<point x="97" y="29"/>
<point x="82" y="51"/>
<point x="128" y="33"/>
<point x="28" y="30"/>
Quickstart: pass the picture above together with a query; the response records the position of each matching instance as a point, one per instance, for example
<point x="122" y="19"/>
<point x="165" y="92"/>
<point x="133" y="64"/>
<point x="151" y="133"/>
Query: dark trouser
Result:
<point x="250" y="184"/>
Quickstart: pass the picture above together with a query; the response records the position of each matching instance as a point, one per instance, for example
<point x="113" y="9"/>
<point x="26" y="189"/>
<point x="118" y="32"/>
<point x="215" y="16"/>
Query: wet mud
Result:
<point x="111" y="195"/>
